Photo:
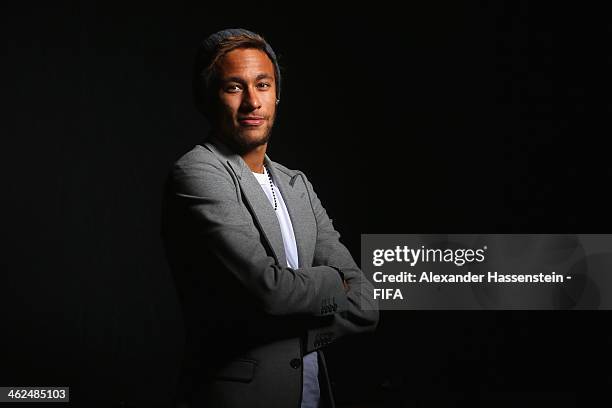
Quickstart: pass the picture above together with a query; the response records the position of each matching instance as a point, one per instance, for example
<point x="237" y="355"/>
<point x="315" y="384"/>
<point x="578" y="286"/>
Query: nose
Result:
<point x="250" y="100"/>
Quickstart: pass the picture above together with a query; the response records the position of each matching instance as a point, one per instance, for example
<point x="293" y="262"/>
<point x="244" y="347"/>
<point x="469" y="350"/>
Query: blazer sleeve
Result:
<point x="362" y="313"/>
<point x="205" y="192"/>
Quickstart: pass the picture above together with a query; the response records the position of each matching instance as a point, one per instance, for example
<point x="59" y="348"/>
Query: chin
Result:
<point x="250" y="139"/>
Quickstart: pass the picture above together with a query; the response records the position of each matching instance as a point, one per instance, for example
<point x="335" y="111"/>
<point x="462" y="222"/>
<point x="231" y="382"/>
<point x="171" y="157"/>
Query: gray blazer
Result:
<point x="249" y="318"/>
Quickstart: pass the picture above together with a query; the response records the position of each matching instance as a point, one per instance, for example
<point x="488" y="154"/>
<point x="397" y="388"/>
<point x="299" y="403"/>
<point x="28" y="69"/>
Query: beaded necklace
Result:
<point x="271" y="186"/>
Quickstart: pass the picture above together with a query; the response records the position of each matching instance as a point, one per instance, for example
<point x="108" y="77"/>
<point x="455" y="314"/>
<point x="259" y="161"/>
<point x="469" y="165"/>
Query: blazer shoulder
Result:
<point x="197" y="155"/>
<point x="200" y="167"/>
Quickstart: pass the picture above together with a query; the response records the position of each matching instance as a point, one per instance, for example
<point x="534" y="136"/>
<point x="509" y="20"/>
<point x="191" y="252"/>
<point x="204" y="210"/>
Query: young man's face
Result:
<point x="247" y="98"/>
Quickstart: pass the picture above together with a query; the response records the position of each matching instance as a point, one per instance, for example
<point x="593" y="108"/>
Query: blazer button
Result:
<point x="295" y="363"/>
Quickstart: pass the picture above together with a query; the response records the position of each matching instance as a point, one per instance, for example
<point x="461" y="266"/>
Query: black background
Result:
<point x="479" y="118"/>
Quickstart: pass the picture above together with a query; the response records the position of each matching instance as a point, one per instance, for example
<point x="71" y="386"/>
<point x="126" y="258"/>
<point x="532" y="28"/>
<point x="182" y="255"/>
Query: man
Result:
<point x="263" y="279"/>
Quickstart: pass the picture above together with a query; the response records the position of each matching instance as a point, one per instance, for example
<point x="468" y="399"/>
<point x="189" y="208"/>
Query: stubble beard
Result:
<point x="245" y="143"/>
<point x="241" y="143"/>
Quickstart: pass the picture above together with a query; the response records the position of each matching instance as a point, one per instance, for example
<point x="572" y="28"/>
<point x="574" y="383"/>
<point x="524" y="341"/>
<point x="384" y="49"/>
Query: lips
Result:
<point x="251" y="121"/>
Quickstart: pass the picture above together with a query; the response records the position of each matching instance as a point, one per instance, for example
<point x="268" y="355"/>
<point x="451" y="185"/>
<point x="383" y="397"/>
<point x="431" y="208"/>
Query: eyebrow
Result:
<point x="241" y="80"/>
<point x="263" y="76"/>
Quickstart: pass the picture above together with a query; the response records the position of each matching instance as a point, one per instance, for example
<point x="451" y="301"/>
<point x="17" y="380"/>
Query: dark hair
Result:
<point x="212" y="50"/>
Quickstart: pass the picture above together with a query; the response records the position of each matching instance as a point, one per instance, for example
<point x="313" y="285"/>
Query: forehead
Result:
<point x="245" y="62"/>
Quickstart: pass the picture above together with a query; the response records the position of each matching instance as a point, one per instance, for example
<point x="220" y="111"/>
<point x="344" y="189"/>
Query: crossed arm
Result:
<point x="207" y="193"/>
<point x="361" y="314"/>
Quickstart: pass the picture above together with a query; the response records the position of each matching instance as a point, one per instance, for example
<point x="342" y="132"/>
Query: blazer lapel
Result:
<point x="263" y="213"/>
<point x="300" y="213"/>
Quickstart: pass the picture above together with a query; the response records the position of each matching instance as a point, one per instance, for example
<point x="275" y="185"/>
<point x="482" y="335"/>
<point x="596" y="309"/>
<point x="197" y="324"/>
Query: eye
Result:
<point x="233" y="88"/>
<point x="264" y="85"/>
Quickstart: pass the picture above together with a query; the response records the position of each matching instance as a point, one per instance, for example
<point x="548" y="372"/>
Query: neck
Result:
<point x="255" y="158"/>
